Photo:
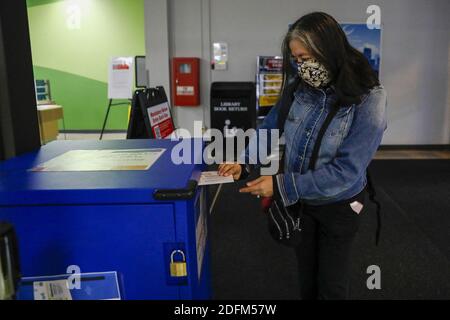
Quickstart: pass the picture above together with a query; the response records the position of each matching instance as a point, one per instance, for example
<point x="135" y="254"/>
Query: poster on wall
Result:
<point x="367" y="41"/>
<point x="269" y="79"/>
<point x="121" y="74"/>
<point x="220" y="56"/>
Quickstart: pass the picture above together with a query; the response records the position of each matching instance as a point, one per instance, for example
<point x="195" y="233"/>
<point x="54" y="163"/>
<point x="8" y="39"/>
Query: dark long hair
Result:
<point x="352" y="75"/>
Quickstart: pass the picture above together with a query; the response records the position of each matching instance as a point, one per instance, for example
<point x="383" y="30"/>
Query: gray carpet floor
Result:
<point x="414" y="252"/>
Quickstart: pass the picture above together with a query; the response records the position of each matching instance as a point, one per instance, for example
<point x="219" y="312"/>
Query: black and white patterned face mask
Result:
<point x="314" y="73"/>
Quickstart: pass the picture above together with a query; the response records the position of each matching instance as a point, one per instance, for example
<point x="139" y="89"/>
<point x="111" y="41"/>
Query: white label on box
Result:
<point x="185" y="91"/>
<point x="52" y="290"/>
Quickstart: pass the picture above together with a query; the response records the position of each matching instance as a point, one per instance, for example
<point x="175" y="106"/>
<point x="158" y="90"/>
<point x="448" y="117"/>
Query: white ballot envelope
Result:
<point x="212" y="177"/>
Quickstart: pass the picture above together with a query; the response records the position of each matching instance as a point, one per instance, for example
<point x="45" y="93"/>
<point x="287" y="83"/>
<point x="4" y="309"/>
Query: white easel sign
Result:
<point x="121" y="75"/>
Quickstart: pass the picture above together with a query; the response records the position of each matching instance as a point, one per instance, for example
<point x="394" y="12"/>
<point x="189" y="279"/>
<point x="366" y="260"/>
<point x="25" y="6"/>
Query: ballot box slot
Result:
<point x="177" y="194"/>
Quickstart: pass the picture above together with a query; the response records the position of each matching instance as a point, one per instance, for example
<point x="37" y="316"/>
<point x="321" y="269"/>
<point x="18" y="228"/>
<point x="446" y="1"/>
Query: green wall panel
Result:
<point x="76" y="60"/>
<point x="84" y="101"/>
<point x="33" y="3"/>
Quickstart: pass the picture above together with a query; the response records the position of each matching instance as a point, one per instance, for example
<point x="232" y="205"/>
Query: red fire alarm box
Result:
<point x="186" y="82"/>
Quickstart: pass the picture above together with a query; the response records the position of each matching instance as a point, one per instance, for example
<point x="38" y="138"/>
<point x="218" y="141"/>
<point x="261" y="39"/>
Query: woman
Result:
<point x="325" y="72"/>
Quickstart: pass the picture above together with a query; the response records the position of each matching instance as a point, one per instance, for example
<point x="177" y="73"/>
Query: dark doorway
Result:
<point x="19" y="129"/>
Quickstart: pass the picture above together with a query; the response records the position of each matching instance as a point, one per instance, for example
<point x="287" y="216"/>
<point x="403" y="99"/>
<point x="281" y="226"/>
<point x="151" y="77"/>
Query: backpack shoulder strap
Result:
<point x="285" y="107"/>
<point x="372" y="197"/>
<point x="286" y="101"/>
<point x="323" y="129"/>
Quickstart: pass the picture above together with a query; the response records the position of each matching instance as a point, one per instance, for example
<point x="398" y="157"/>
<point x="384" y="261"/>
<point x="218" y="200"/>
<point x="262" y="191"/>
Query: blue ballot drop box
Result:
<point x="139" y="223"/>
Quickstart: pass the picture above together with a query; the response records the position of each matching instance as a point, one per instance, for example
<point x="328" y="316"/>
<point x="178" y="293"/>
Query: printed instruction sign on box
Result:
<point x="102" y="160"/>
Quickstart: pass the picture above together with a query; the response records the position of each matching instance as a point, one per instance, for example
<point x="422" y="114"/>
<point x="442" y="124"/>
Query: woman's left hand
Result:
<point x="262" y="187"/>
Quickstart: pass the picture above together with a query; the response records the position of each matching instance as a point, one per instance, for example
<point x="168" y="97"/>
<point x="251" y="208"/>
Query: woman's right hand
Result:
<point x="230" y="169"/>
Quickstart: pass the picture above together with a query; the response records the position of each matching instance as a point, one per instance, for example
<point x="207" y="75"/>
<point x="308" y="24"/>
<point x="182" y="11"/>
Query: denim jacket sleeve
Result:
<point x="261" y="140"/>
<point x="352" y="159"/>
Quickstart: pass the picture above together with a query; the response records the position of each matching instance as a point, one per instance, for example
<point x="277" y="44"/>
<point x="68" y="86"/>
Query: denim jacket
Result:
<point x="347" y="148"/>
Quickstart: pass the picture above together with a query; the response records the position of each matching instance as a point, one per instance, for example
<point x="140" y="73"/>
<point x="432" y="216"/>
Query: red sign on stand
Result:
<point x="161" y="120"/>
<point x="151" y="115"/>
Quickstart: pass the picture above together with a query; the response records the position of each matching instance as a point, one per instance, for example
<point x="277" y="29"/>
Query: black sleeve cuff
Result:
<point x="276" y="190"/>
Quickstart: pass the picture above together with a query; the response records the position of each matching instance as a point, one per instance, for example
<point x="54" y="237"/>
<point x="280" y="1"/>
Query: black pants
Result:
<point x="325" y="252"/>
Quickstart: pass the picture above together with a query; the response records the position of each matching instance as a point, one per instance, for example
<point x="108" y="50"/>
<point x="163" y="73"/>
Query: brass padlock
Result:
<point x="178" y="269"/>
